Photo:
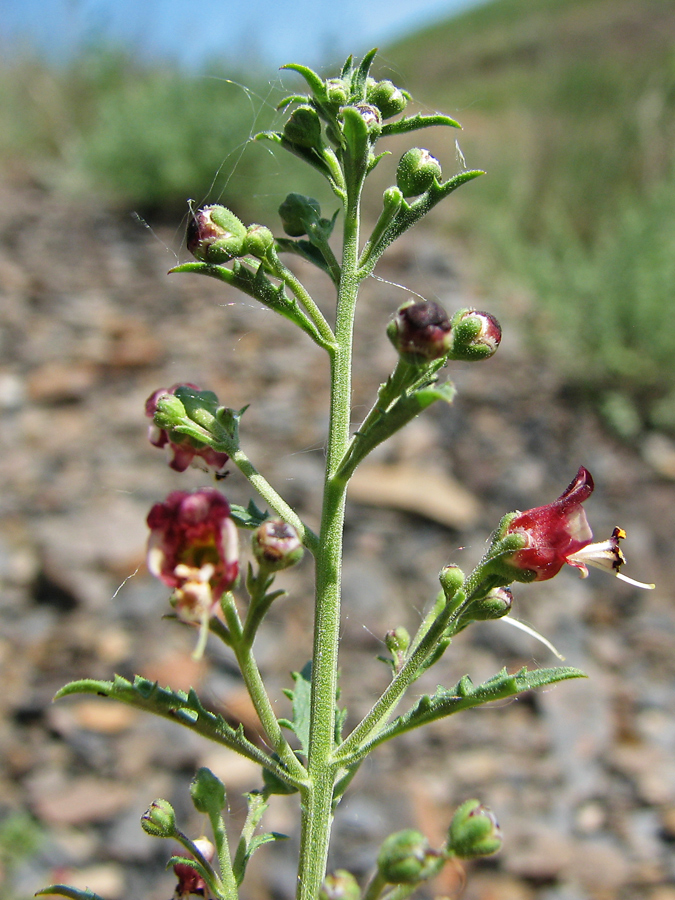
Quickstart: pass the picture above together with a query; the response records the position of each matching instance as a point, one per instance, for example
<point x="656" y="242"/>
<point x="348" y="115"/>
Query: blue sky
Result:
<point x="273" y="31"/>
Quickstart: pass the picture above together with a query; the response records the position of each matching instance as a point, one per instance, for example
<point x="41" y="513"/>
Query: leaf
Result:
<point x="414" y="123"/>
<point x="465" y="695"/>
<point x="301" y="696"/>
<point x="249" y="516"/>
<point x="185" y="709"/>
<point x="306" y="250"/>
<point x="63" y="890"/>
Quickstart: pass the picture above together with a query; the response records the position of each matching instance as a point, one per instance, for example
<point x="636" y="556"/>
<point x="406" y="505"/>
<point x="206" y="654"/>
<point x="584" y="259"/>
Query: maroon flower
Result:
<point x="420" y="330"/>
<point x="559" y="533"/>
<point x="184" y="450"/>
<point x="189" y="880"/>
<point x="193" y="548"/>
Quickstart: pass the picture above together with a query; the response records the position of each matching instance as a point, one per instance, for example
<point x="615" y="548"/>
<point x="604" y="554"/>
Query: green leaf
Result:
<point x="301" y="697"/>
<point x="315" y="83"/>
<point x="306" y="250"/>
<point x="414" y="123"/>
<point x="403" y="409"/>
<point x="258" y="286"/>
<point x="466" y="695"/>
<point x="249" y="516"/>
<point x="185" y="709"/>
<point x="63" y="890"/>
<point x="360" y="77"/>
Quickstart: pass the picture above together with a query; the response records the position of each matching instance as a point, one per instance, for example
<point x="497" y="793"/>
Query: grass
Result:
<point x="570" y="106"/>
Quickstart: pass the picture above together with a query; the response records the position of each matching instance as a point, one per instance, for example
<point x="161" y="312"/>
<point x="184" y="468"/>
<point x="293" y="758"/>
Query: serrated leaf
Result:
<point x="301" y="699"/>
<point x="64" y="890"/>
<point x="249" y="516"/>
<point x="466" y="695"/>
<point x="185" y="709"/>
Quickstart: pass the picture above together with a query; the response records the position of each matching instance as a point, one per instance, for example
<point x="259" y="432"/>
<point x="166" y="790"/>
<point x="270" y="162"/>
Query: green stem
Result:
<point x="317" y="797"/>
<point x="224" y="859"/>
<point x="351" y="748"/>
<point x="259" y="696"/>
<point x="302" y="294"/>
<point x="267" y="492"/>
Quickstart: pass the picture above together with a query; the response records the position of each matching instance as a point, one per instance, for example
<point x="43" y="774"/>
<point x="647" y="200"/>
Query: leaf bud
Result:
<point x="405" y="857"/>
<point x="473" y="831"/>
<point x="475" y="335"/>
<point x="159" y="820"/>
<point x="207" y="791"/>
<point x="259" y="239"/>
<point x="303" y="127"/>
<point x="276" y="545"/>
<point x="215" y="235"/>
<point x="389" y="99"/>
<point x="296" y="212"/>
<point x="341" y="885"/>
<point x="416" y="172"/>
<point x="452" y="579"/>
<point x="420" y="331"/>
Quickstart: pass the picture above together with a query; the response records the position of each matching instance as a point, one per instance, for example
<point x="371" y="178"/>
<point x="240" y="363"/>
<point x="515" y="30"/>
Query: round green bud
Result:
<point x="494" y="605"/>
<point x="258" y="241"/>
<point x="303" y="127"/>
<point x="159" y="820"/>
<point x="207" y="791"/>
<point x="169" y="410"/>
<point x="475" y="335"/>
<point x="389" y="99"/>
<point x="336" y="92"/>
<point x="452" y="580"/>
<point x="404" y="857"/>
<point x="473" y="831"/>
<point x="416" y="172"/>
<point x="341" y="885"/>
<point x="397" y="641"/>
<point x="296" y="211"/>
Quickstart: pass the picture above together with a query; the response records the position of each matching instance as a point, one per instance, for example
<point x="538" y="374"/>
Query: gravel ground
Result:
<point x="581" y="776"/>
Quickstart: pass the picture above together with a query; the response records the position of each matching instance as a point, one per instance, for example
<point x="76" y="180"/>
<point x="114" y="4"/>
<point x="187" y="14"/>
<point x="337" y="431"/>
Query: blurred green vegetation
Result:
<point x="144" y="136"/>
<point x="568" y="104"/>
<point x="20" y="838"/>
<point x="570" y="107"/>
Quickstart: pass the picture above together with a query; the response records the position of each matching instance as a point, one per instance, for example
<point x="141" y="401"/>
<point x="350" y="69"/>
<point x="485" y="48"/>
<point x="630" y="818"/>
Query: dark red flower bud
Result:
<point x="475" y="335"/>
<point x="420" y="330"/>
<point x="276" y="545"/>
<point x="215" y="235"/>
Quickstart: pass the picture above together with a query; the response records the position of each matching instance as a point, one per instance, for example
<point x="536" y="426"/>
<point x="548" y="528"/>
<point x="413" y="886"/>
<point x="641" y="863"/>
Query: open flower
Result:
<point x="559" y="533"/>
<point x="184" y="450"/>
<point x="193" y="548"/>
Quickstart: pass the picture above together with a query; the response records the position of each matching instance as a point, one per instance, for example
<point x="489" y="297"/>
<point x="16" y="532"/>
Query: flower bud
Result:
<point x="207" y="791"/>
<point x="189" y="880"/>
<point x="417" y="171"/>
<point x="341" y="885"/>
<point x="258" y="241"/>
<point x="452" y="579"/>
<point x="169" y="408"/>
<point x="397" y="640"/>
<point x="159" y="820"/>
<point x="405" y="858"/>
<point x="420" y="331"/>
<point x="336" y="92"/>
<point x="475" y="335"/>
<point x="474" y="831"/>
<point x="494" y="605"/>
<point x="215" y="235"/>
<point x="371" y="116"/>
<point x="389" y="99"/>
<point x="296" y="211"/>
<point x="276" y="545"/>
<point x="303" y="127"/>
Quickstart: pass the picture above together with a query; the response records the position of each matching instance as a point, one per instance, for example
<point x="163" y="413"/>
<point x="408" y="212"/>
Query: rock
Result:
<point x="410" y="489"/>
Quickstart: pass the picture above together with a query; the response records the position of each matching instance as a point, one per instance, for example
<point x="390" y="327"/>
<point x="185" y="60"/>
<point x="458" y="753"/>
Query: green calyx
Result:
<point x="215" y="235"/>
<point x="406" y="858"/>
<point x="473" y="831"/>
<point x="417" y="171"/>
<point x="159" y="820"/>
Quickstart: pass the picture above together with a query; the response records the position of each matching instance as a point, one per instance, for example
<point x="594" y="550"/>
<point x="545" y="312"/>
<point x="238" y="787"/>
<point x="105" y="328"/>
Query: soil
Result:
<point x="581" y="776"/>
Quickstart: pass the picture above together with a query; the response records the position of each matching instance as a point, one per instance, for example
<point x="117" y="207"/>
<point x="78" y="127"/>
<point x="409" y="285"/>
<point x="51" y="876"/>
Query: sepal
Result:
<point x="473" y="831"/>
